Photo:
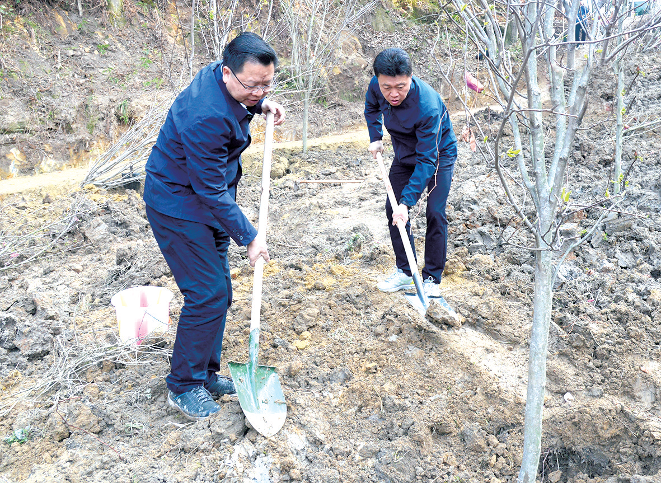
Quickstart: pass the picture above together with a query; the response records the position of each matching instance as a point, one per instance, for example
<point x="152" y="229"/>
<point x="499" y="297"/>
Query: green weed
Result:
<point x="157" y="82"/>
<point x="19" y="436"/>
<point x="91" y="124"/>
<point x="355" y="243"/>
<point x="145" y="61"/>
<point x="122" y="112"/>
<point x="144" y="6"/>
<point x="6" y="10"/>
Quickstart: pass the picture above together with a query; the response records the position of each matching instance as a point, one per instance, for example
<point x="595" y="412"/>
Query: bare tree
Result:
<point x="543" y="115"/>
<point x="214" y="21"/>
<point x="649" y="33"/>
<point x="316" y="28"/>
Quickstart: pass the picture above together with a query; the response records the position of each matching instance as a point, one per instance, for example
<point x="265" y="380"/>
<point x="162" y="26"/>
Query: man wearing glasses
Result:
<point x="190" y="193"/>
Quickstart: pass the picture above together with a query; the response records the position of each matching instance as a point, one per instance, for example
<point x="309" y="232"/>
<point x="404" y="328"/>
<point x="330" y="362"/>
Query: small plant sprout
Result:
<point x="19" y="436"/>
<point x="355" y="242"/>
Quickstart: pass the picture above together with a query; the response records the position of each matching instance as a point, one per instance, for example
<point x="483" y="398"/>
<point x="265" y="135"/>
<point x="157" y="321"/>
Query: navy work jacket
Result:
<point x="195" y="165"/>
<point x="420" y="130"/>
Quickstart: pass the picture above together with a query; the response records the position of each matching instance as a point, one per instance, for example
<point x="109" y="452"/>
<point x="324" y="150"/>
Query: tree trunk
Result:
<point x="306" y="107"/>
<point x="571" y="34"/>
<point x="617" y="67"/>
<point x="213" y="8"/>
<point x="192" y="39"/>
<point x="617" y="164"/>
<point x="116" y="8"/>
<point x="542" y="304"/>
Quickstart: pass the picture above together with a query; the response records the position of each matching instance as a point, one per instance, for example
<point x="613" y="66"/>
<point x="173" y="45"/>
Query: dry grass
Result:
<point x="125" y="161"/>
<point x="66" y="377"/>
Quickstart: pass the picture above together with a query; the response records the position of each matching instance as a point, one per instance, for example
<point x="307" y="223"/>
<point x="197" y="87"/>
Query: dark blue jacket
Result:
<point x="582" y="15"/>
<point x="420" y="130"/>
<point x="195" y="165"/>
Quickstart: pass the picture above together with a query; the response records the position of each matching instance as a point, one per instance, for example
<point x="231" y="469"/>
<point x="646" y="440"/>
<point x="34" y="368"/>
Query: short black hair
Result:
<point x="392" y="62"/>
<point x="248" y="47"/>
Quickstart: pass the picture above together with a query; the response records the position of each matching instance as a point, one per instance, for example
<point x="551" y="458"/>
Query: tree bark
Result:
<point x="116" y="8"/>
<point x="306" y="108"/>
<point x="192" y="39"/>
<point x="542" y="303"/>
<point x="619" y="130"/>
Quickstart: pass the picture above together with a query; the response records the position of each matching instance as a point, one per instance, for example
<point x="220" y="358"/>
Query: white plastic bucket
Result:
<point x="141" y="311"/>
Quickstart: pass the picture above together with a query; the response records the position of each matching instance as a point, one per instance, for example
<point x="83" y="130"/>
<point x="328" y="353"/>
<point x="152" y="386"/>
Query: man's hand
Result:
<point x="277" y="110"/>
<point x="401" y="213"/>
<point x="257" y="248"/>
<point x="375" y="147"/>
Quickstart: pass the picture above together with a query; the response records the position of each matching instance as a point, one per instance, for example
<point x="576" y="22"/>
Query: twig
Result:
<point x="73" y="360"/>
<point x="70" y="220"/>
<point x="298" y="247"/>
<point x="583" y="239"/>
<point x="642" y="126"/>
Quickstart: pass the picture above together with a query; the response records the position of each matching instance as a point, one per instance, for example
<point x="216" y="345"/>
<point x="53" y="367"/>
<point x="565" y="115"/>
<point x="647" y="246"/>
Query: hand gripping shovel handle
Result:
<point x="401" y="226"/>
<point x="261" y="232"/>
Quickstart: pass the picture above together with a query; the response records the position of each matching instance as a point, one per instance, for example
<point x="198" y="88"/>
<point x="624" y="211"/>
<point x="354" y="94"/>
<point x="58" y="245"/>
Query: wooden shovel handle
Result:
<point x="401" y="226"/>
<point x="261" y="227"/>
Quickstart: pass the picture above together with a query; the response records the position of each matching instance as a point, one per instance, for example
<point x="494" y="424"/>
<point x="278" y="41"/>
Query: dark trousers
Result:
<point x="580" y="34"/>
<point x="197" y="255"/>
<point x="436" y="238"/>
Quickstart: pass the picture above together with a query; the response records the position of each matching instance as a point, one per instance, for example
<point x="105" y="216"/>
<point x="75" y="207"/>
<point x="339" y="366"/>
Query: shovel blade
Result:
<point x="260" y="395"/>
<point x="414" y="299"/>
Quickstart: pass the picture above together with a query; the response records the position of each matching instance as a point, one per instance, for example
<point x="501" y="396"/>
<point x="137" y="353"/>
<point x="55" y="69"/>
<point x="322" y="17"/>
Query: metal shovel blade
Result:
<point x="260" y="396"/>
<point x="417" y="304"/>
<point x="418" y="299"/>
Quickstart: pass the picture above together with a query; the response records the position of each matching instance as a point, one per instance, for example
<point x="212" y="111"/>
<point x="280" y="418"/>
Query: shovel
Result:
<point x="418" y="299"/>
<point x="258" y="387"/>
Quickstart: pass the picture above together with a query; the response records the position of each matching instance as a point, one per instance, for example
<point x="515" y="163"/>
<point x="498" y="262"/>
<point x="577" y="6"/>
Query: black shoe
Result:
<point x="195" y="404"/>
<point x="221" y="386"/>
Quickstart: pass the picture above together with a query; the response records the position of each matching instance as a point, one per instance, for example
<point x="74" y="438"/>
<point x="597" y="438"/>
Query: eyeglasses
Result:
<point x="253" y="89"/>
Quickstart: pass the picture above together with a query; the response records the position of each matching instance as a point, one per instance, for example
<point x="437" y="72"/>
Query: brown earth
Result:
<point x="375" y="392"/>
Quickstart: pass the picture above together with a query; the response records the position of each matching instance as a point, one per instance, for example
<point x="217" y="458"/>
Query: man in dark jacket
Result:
<point x="190" y="193"/>
<point x="581" y="28"/>
<point x="425" y="152"/>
